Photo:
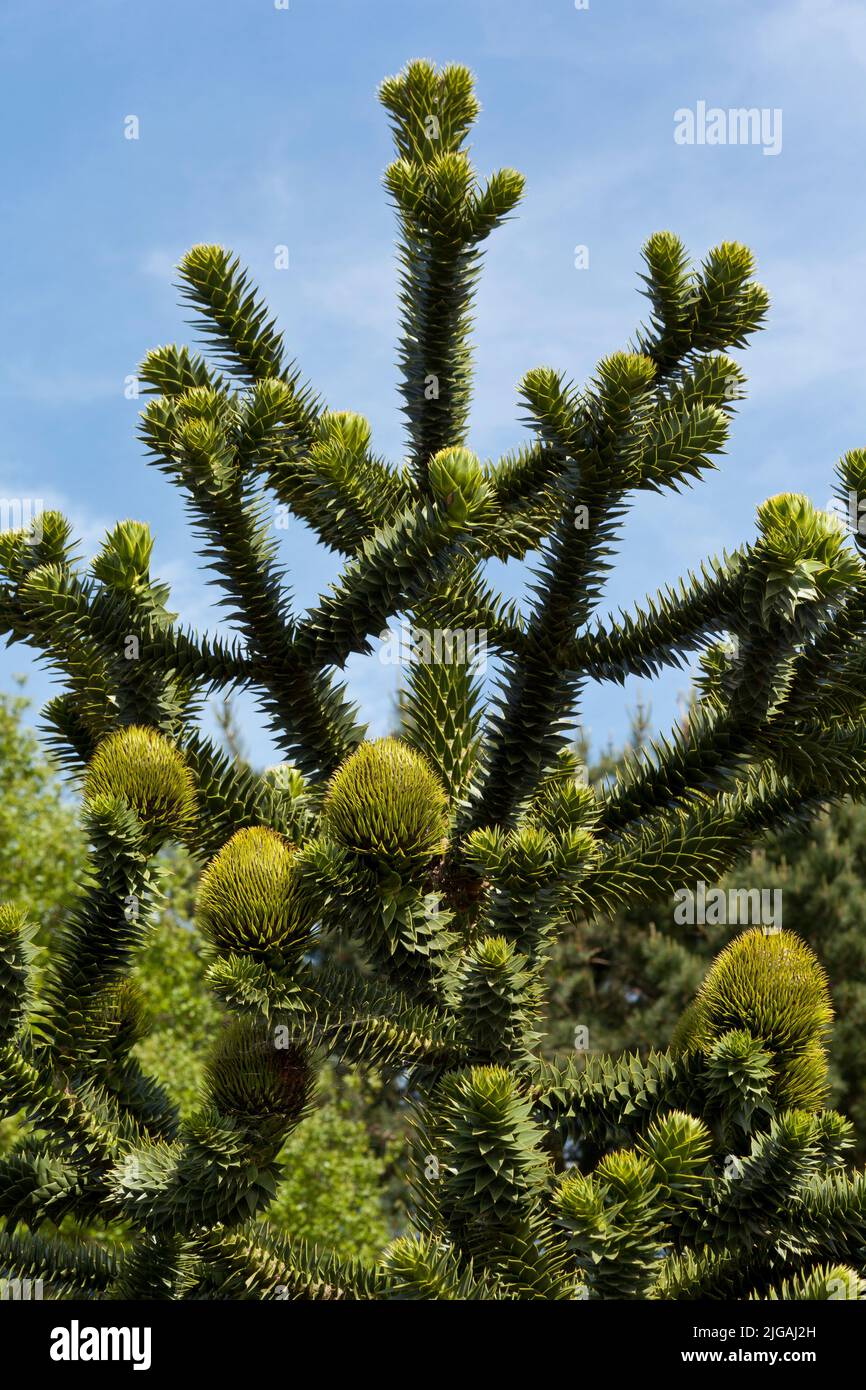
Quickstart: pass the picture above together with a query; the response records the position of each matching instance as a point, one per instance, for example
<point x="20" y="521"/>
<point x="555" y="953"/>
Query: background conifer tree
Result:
<point x="453" y="856"/>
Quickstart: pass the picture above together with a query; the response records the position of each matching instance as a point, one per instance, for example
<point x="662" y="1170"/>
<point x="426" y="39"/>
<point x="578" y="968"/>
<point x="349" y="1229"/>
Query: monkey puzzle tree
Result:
<point x="451" y="857"/>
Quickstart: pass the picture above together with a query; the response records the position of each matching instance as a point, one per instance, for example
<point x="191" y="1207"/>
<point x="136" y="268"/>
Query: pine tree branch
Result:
<point x="391" y="569"/>
<point x="69" y="1271"/>
<point x="668" y="625"/>
<point x="255" y="1264"/>
<point x="444" y="215"/>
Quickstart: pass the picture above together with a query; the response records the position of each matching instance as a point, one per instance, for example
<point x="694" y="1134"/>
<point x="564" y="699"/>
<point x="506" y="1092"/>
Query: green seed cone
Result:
<point x="387" y="805"/>
<point x="771" y="985"/>
<point x="457" y="480"/>
<point x="804" y="1082"/>
<point x="147" y="771"/>
<point x="774" y="988"/>
<point x="250" y="900"/>
<point x="251" y="1077"/>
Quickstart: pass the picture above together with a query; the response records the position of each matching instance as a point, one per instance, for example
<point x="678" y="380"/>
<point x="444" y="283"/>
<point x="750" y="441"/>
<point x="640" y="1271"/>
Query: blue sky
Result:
<point x="259" y="127"/>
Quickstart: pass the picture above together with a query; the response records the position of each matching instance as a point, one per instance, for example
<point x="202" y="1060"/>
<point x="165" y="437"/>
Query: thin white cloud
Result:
<point x="834" y="29"/>
<point x="816" y="325"/>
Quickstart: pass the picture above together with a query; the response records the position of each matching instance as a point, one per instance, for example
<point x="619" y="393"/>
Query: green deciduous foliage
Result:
<point x="448" y="863"/>
<point x="40" y="842"/>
